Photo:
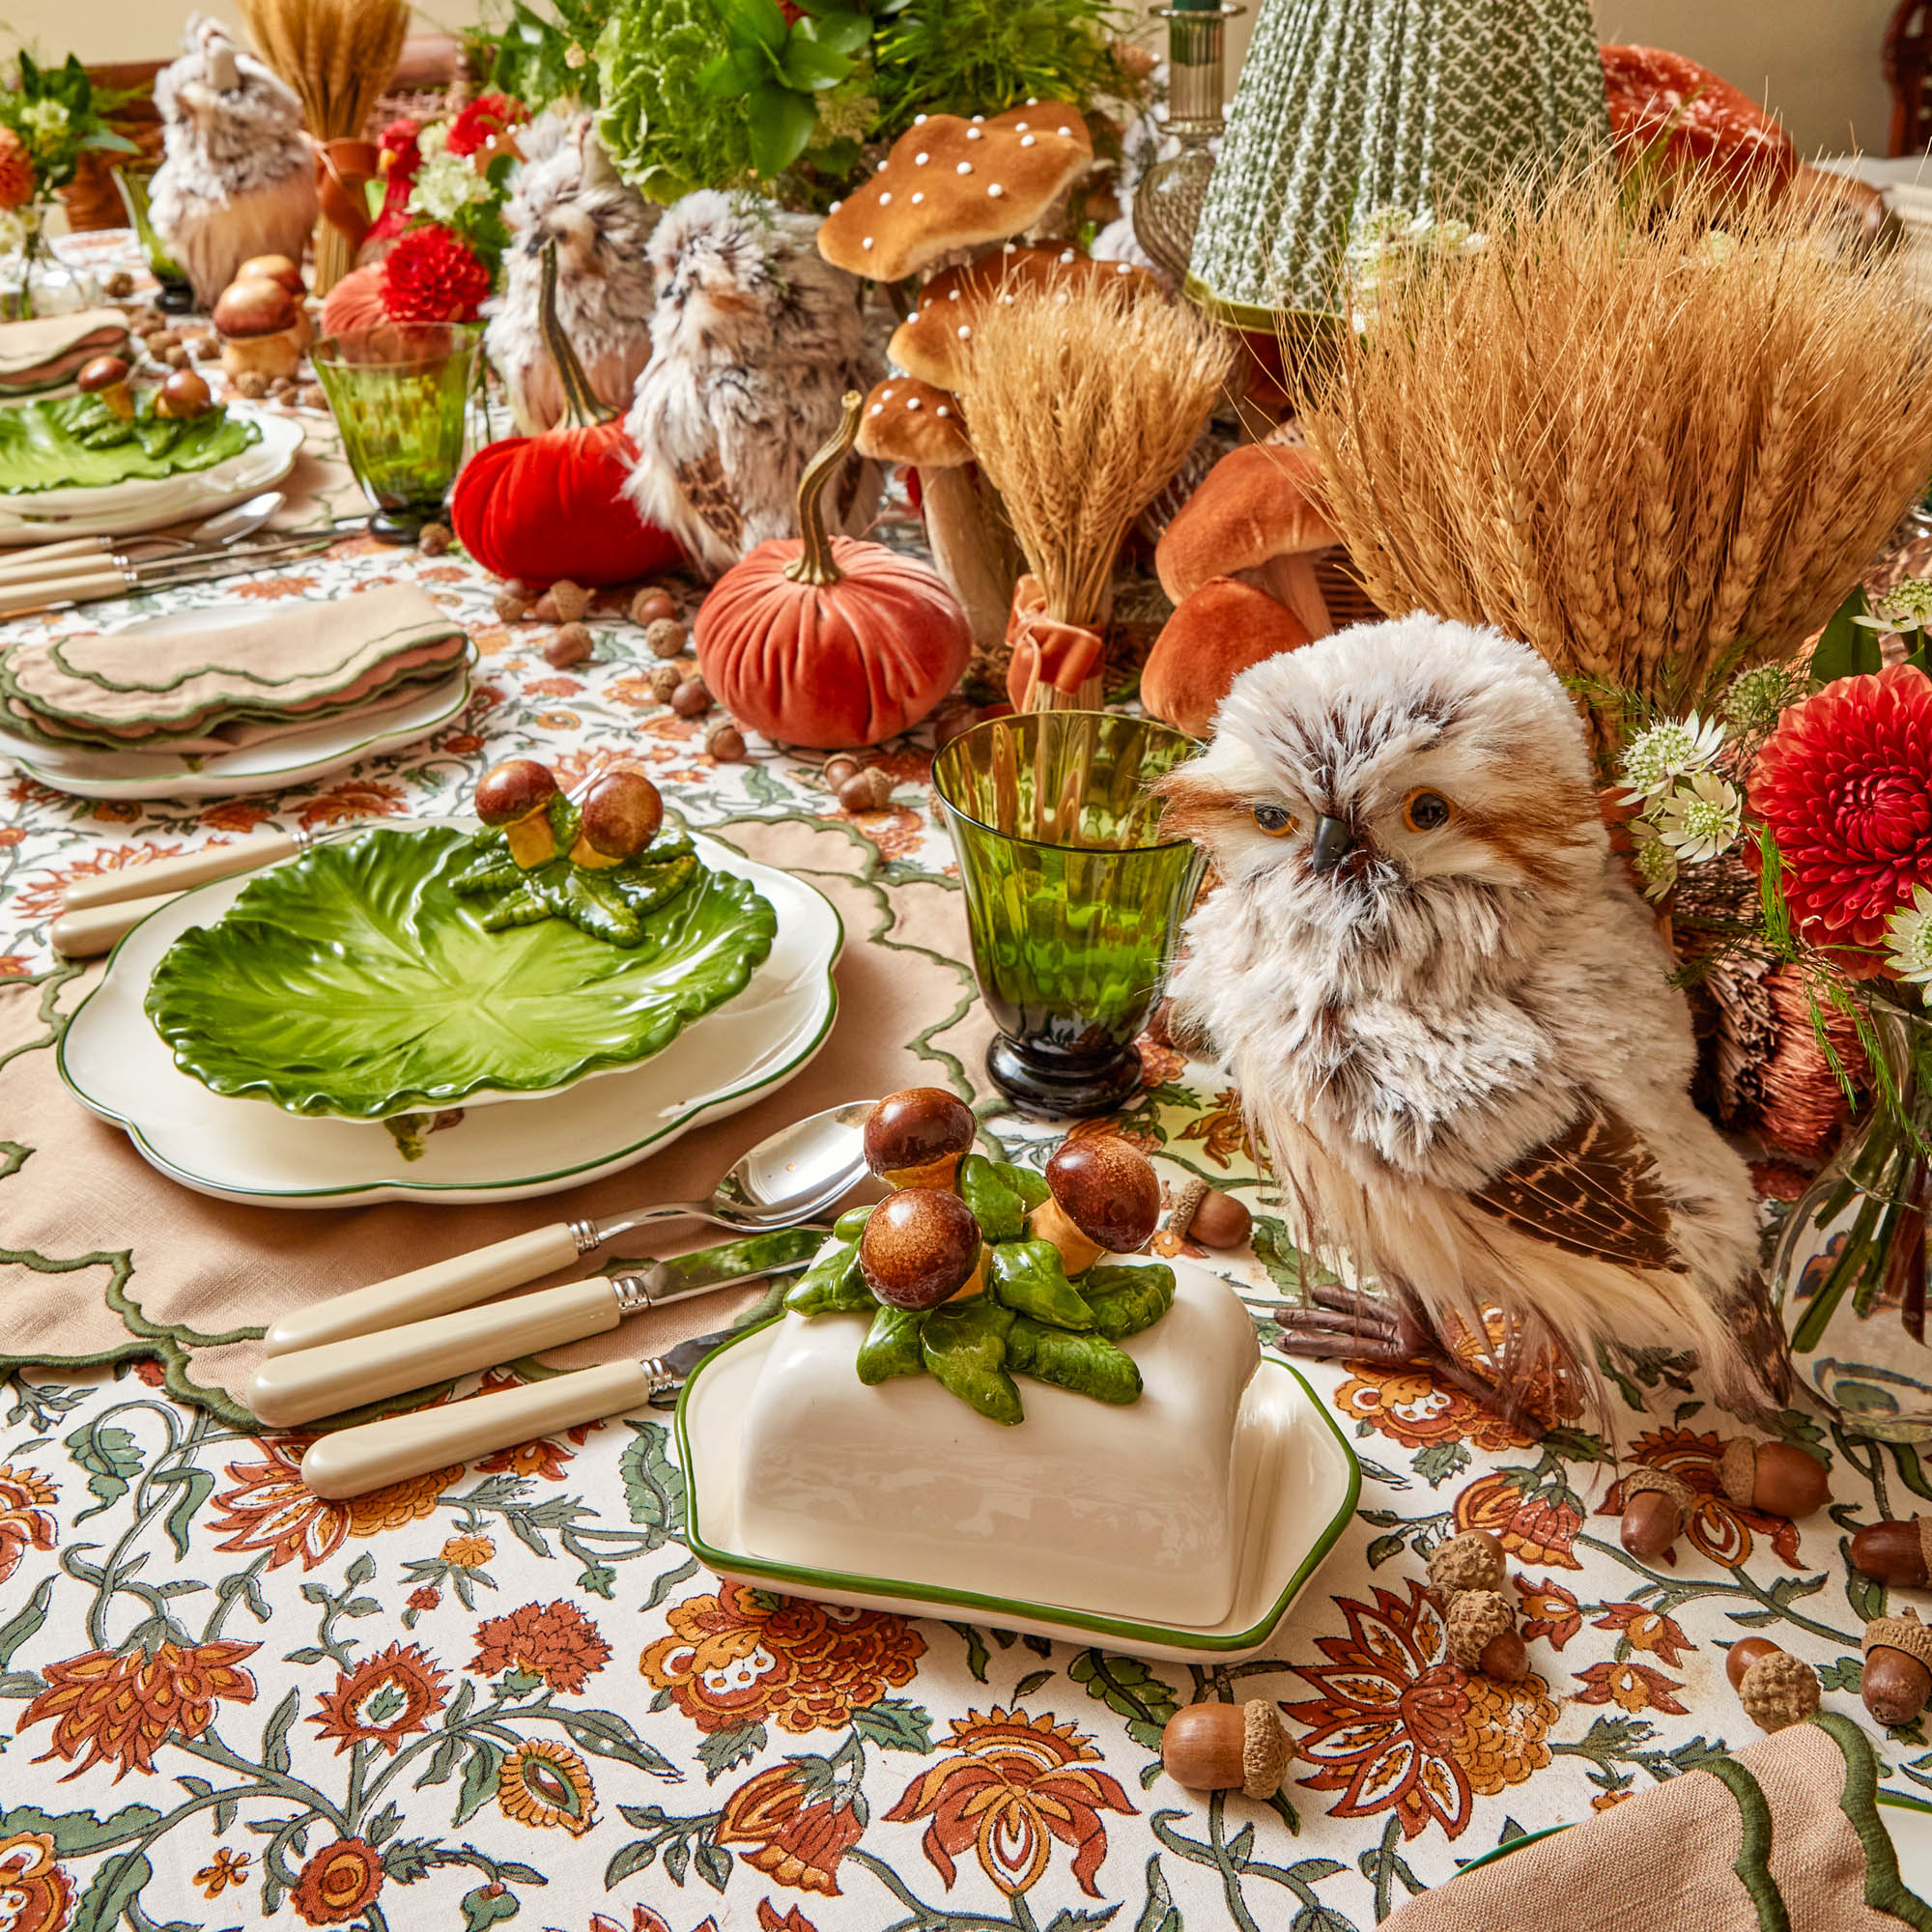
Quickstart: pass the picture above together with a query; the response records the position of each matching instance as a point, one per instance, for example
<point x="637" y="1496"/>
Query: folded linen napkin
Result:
<point x="48" y="350"/>
<point x="1786" y="1834"/>
<point x="293" y="663"/>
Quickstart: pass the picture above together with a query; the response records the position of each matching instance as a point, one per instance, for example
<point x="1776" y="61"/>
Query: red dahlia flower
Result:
<point x="487" y="117"/>
<point x="432" y="276"/>
<point x="1845" y="785"/>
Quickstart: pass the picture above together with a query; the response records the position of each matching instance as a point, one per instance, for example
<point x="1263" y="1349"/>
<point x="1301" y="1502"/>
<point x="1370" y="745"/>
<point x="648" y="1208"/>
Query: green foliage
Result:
<point x="541" y="53"/>
<point x="59" y="115"/>
<point x="1848" y="647"/>
<point x="666" y="135"/>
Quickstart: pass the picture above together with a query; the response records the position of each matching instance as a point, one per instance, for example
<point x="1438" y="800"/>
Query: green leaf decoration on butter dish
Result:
<point x="995" y="1201"/>
<point x="1125" y="1298"/>
<point x="1030" y="1279"/>
<point x="965" y="1348"/>
<point x="77" y="442"/>
<point x="355" y="981"/>
<point x="892" y="1346"/>
<point x="1085" y="1364"/>
<point x="832" y="1285"/>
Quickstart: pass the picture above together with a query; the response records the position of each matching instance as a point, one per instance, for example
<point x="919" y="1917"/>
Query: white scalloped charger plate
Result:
<point x="115" y="1063"/>
<point x="130" y="508"/>
<point x="299" y="758"/>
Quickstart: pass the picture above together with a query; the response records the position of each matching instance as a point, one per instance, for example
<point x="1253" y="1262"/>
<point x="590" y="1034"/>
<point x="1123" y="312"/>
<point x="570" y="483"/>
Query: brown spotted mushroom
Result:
<point x="1105" y="1200"/>
<point x="921" y="1247"/>
<point x="917" y="1138"/>
<point x="620" y="816"/>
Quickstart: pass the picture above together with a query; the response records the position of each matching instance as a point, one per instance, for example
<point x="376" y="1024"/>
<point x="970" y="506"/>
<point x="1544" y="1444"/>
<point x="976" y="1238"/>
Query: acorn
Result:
<point x="650" y="604"/>
<point x="691" y="699"/>
<point x="1776" y="1688"/>
<point x="107" y="377"/>
<point x="563" y="603"/>
<point x="571" y="645"/>
<point x="840" y="767"/>
<point x="664" y="680"/>
<point x="515" y="796"/>
<point x="1777" y="1478"/>
<point x="1897" y="1681"/>
<point x="725" y="742"/>
<point x="1482" y="1635"/>
<point x="1657" y="1505"/>
<point x="666" y="637"/>
<point x="868" y="790"/>
<point x="1471" y="1561"/>
<point x="1105" y="1200"/>
<point x="435" y="539"/>
<point x="1205" y="1214"/>
<point x="1227" y="1747"/>
<point x="619" y="817"/>
<point x="1894" y="1552"/>
<point x="510" y="607"/>
<point x="921" y="1247"/>
<point x="917" y="1138"/>
<point x="183" y="396"/>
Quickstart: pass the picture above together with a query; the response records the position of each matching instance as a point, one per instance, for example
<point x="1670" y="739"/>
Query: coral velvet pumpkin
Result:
<point x="354" y="302"/>
<point x="540" y="507"/>
<point x="828" y="641"/>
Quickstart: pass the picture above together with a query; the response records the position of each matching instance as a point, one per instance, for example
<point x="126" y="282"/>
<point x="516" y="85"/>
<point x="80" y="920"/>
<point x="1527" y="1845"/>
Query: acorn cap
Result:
<point x="620" y="813"/>
<point x="919" y="1247"/>
<point x="1737" y="1471"/>
<point x="915" y="1127"/>
<point x="1474" y="1620"/>
<point x="1903" y="1632"/>
<point x="1779" y="1690"/>
<point x="513" y="790"/>
<point x="1471" y="1561"/>
<point x="103" y="373"/>
<point x="1265" y="1749"/>
<point x="1664" y="1482"/>
<point x="905" y="420"/>
<point x="1107" y="1188"/>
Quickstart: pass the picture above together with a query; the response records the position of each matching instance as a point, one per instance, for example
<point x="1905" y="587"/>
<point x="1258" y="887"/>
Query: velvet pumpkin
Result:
<point x="354" y="302"/>
<point x="828" y="641"/>
<point x="541" y="508"/>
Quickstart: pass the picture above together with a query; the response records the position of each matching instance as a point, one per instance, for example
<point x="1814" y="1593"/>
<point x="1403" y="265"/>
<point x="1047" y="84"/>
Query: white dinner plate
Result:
<point x="124" y="509"/>
<point x="245" y="1150"/>
<point x="1300" y="1477"/>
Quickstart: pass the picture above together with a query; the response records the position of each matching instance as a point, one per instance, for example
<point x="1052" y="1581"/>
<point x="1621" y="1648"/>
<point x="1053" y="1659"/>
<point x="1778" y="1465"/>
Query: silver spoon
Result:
<point x="227" y="526"/>
<point x="790" y="1176"/>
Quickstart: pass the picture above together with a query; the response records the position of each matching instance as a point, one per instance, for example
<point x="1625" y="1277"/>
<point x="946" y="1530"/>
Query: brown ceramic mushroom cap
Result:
<point x="619" y="816"/>
<point x="254" y="307"/>
<point x="905" y="420"/>
<point x="1108" y="1189"/>
<point x="951" y="183"/>
<point x="935" y="339"/>
<point x="513" y="790"/>
<point x="1211" y="639"/>
<point x="920" y="1247"/>
<point x="103" y="373"/>
<point x="914" y="1133"/>
<point x="184" y="395"/>
<point x="1255" y="511"/>
<point x="272" y="268"/>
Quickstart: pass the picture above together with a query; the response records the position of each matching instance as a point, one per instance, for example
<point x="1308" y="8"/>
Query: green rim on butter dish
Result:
<point x="999" y="1611"/>
<point x="354" y="982"/>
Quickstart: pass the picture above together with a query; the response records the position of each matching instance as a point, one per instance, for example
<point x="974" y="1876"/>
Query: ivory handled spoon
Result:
<point x="191" y="868"/>
<point x="789" y="1177"/>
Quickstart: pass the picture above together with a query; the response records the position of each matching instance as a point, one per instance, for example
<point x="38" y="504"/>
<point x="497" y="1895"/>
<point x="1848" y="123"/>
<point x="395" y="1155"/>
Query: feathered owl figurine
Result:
<point x="238" y="175"/>
<point x="1450" y="1017"/>
<point x="567" y="191"/>
<point x="754" y="339"/>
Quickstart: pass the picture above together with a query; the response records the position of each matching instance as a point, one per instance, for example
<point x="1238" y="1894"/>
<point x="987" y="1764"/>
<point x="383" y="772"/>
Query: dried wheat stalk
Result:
<point x="1707" y="386"/>
<point x="1083" y="403"/>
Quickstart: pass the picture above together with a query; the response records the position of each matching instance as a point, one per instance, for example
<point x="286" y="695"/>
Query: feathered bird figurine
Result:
<point x="1450" y="1018"/>
<point x="238" y="175"/>
<point x="755" y="340"/>
<point x="567" y="191"/>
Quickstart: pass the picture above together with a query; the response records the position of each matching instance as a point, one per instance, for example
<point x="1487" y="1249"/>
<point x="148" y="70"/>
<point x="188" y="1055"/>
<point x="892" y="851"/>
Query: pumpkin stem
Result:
<point x="814" y="563"/>
<point x="581" y="407"/>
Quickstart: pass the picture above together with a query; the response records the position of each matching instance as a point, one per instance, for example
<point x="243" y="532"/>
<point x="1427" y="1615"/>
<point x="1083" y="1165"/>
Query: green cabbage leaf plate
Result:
<point x="77" y="443"/>
<point x="354" y="982"/>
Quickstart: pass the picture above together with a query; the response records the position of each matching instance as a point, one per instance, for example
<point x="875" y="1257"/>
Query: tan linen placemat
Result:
<point x="101" y="1258"/>
<point x="29" y="350"/>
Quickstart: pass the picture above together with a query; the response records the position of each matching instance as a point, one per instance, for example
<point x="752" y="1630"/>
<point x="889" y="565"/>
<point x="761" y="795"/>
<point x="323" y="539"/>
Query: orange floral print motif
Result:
<point x="545" y="1784"/>
<point x="340" y="1880"/>
<point x="36" y="1893"/>
<point x="26" y="1516"/>
<point x="360" y="798"/>
<point x="272" y="1508"/>
<point x="1631" y="1686"/>
<point x="1718" y="1528"/>
<point x="1408" y="1405"/>
<point x="554" y="1641"/>
<point x="1549" y="1611"/>
<point x="794" y="1836"/>
<point x="1221" y="1131"/>
<point x="1648" y="1630"/>
<point x="224" y="1869"/>
<point x="1013" y="1784"/>
<point x="383" y="1700"/>
<point x="1535" y="1524"/>
<point x="120" y="1708"/>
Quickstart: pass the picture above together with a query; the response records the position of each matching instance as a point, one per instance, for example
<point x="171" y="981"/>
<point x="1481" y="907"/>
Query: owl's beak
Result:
<point x="1334" y="840"/>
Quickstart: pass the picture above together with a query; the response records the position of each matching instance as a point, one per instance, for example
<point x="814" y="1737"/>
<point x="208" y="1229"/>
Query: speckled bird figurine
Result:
<point x="238" y="175"/>
<point x="1452" y="1023"/>
<point x="754" y="339"/>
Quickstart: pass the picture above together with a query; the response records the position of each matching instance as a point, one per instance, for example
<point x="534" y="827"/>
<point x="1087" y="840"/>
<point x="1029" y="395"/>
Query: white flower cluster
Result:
<point x="1909" y="932"/>
<point x="1689" y="813"/>
<point x="445" y="184"/>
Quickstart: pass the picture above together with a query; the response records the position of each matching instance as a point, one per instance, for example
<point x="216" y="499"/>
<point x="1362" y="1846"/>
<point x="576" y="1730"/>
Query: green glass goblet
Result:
<point x="1073" y="899"/>
<point x="135" y="180"/>
<point x="400" y="391"/>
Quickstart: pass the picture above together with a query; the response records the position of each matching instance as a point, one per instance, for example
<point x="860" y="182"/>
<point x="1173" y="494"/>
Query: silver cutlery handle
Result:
<point x="298" y="1387"/>
<point x="192" y="868"/>
<point x="375" y="1454"/>
<point x="460" y="1282"/>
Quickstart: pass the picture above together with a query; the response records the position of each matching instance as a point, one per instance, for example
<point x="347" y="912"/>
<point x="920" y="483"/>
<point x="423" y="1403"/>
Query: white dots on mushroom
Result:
<point x="837" y="205"/>
<point x="965" y="331"/>
<point x="1065" y="134"/>
<point x="885" y="197"/>
<point x="952" y="295"/>
<point x="976" y="119"/>
<point x="918" y="120"/>
<point x="867" y="243"/>
<point x="994" y="191"/>
<point x="1019" y="127"/>
<point x="879" y="408"/>
<point x="1032" y="101"/>
<point x="1026" y="140"/>
<point x="965" y="167"/>
<point x="941" y="410"/>
<point x="974" y="134"/>
<point x="1067" y="254"/>
<point x="917" y="199"/>
<point x="920" y="161"/>
<point x="912" y="402"/>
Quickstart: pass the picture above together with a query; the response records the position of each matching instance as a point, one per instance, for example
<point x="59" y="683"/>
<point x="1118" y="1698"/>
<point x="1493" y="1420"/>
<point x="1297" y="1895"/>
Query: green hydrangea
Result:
<point x="666" y="137"/>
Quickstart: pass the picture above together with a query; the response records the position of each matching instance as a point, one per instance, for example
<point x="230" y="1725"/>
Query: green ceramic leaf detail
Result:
<point x="1031" y="1187"/>
<point x="1127" y="1298"/>
<point x="995" y="1203"/>
<point x="1085" y="1364"/>
<point x="892" y="1346"/>
<point x="851" y="1224"/>
<point x="1030" y="1279"/>
<point x="965" y="1346"/>
<point x="77" y="443"/>
<point x="355" y="981"/>
<point x="832" y="1285"/>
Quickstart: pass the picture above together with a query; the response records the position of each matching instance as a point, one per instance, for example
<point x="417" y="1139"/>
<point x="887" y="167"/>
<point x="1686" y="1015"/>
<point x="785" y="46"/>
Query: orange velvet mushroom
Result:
<point x="1211" y="639"/>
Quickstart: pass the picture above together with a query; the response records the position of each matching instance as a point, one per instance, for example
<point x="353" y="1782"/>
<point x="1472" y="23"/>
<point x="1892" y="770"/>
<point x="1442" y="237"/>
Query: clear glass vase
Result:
<point x="1850" y="1275"/>
<point x="34" y="280"/>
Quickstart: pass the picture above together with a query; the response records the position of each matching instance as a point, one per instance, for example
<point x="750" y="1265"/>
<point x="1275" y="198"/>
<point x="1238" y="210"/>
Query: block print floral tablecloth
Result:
<point x="507" y="1693"/>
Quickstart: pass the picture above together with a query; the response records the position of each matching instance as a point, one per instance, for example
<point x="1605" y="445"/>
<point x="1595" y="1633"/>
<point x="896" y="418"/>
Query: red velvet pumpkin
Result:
<point x="540" y="507"/>
<point x="354" y="302"/>
<point x="828" y="642"/>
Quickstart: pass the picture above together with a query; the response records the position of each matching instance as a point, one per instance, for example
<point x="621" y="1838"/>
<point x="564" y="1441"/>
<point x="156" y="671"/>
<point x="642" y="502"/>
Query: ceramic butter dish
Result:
<point x="1126" y="1510"/>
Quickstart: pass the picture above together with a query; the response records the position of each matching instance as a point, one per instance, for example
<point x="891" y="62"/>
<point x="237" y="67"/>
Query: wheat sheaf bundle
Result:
<point x="1081" y="402"/>
<point x="1657" y="444"/>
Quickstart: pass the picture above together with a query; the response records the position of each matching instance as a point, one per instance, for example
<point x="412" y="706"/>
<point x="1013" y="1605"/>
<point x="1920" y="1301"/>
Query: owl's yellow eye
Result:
<point x="1276" y="821"/>
<point x="1427" y="812"/>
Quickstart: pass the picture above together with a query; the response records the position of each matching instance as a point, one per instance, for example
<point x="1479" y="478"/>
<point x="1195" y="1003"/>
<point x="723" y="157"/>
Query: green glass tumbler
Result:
<point x="135" y="180"/>
<point x="1073" y="899"/>
<point x="400" y="393"/>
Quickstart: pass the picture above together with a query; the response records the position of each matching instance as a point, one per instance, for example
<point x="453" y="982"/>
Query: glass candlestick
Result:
<point x="1168" y="203"/>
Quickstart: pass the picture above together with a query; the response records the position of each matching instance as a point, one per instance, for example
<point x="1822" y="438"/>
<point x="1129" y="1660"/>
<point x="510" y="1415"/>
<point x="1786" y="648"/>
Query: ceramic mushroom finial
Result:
<point x="107" y="377"/>
<point x="619" y="817"/>
<point x="951" y="183"/>
<point x="917" y="1138"/>
<point x="514" y="797"/>
<point x="260" y="324"/>
<point x="1256" y="513"/>
<point x="934" y="341"/>
<point x="1105" y="1200"/>
<point x="1213" y="636"/>
<point x="921" y="1247"/>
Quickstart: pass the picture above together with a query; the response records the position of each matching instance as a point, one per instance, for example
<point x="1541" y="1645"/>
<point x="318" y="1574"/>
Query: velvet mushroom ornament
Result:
<point x="260" y="327"/>
<point x="1213" y="636"/>
<point x="830" y="641"/>
<point x="549" y="506"/>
